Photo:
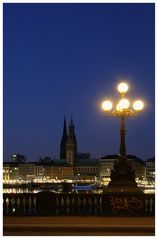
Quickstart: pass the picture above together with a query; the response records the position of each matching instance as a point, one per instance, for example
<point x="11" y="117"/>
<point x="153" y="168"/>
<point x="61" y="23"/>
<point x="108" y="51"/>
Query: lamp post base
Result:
<point x="123" y="177"/>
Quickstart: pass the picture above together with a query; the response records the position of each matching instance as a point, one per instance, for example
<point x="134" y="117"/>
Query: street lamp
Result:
<point x="123" y="109"/>
<point x="122" y="176"/>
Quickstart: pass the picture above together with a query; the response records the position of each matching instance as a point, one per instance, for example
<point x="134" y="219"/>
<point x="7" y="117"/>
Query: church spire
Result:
<point x="63" y="141"/>
<point x="71" y="144"/>
<point x="71" y="126"/>
<point x="71" y="119"/>
<point x="65" y="128"/>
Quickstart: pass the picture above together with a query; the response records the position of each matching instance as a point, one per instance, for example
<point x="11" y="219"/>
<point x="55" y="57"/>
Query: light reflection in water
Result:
<point x="20" y="190"/>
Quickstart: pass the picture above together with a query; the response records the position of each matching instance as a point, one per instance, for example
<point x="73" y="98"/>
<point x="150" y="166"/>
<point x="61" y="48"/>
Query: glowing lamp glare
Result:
<point x="123" y="104"/>
<point x="122" y="87"/>
<point x="138" y="105"/>
<point x="107" y="105"/>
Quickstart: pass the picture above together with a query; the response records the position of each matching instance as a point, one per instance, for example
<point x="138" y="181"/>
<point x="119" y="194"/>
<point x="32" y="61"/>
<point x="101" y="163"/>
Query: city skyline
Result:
<point x="66" y="58"/>
<point x="52" y="157"/>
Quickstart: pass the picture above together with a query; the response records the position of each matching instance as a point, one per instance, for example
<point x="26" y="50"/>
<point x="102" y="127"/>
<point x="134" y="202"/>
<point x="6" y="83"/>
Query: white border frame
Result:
<point x="1" y="92"/>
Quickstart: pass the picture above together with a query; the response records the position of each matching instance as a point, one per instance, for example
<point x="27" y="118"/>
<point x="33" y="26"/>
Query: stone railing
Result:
<point x="48" y="203"/>
<point x="19" y="204"/>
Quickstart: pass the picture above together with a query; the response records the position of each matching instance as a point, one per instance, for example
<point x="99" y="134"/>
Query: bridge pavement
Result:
<point x="78" y="226"/>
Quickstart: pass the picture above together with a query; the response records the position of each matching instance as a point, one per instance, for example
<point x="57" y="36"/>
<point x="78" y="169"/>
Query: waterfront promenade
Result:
<point x="78" y="226"/>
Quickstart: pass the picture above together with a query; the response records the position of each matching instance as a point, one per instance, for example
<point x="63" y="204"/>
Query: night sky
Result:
<point x="63" y="58"/>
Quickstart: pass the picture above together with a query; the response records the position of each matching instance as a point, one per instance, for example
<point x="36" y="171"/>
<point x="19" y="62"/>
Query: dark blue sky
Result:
<point x="60" y="58"/>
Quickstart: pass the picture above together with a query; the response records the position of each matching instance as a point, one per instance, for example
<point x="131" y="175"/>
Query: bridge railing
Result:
<point x="49" y="203"/>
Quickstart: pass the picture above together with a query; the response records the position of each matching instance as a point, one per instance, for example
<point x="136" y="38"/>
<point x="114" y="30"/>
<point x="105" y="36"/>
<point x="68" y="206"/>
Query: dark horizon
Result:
<point x="63" y="58"/>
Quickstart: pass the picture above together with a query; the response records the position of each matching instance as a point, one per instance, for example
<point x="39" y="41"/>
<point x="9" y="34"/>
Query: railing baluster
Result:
<point x="68" y="205"/>
<point x="148" y="205"/>
<point x="79" y="206"/>
<point x="84" y="205"/>
<point x="151" y="201"/>
<point x="18" y="206"/>
<point x="95" y="205"/>
<point x="65" y="204"/>
<point x="34" y="205"/>
<point x="24" y="205"/>
<point x="8" y="205"/>
<point x="153" y="205"/>
<point x="5" y="206"/>
<point x="90" y="205"/>
<point x="30" y="205"/>
<point x="13" y="205"/>
<point x="57" y="206"/>
<point x="62" y="205"/>
<point x="100" y="206"/>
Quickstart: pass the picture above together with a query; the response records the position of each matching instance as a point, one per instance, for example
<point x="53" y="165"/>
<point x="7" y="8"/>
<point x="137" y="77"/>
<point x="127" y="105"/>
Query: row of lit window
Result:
<point x="87" y="169"/>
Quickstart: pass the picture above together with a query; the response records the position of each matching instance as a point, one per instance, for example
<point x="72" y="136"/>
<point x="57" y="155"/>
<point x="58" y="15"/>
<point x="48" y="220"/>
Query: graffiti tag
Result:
<point x="126" y="204"/>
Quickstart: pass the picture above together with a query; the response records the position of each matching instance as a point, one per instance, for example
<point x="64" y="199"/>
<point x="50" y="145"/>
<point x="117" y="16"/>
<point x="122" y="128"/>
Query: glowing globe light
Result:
<point x="138" y="105"/>
<point x="122" y="87"/>
<point x="123" y="104"/>
<point x="107" y="105"/>
<point x="118" y="107"/>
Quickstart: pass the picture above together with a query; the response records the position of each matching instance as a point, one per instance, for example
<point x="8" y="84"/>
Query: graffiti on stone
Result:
<point x="125" y="204"/>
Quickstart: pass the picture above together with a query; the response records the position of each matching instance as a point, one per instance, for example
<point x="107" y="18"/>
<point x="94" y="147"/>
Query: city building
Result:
<point x="18" y="158"/>
<point x="138" y="165"/>
<point x="71" y="145"/>
<point x="106" y="164"/>
<point x="150" y="170"/>
<point x="10" y="172"/>
<point x="83" y="155"/>
<point x="46" y="159"/>
<point x="86" y="168"/>
<point x="56" y="169"/>
<point x="39" y="171"/>
<point x="27" y="171"/>
<point x="68" y="146"/>
<point x="36" y="172"/>
<point x="83" y="165"/>
<point x="72" y="164"/>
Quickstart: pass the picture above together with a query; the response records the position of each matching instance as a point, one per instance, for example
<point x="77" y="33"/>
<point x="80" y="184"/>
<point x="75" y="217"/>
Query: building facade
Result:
<point x="83" y="165"/>
<point x="18" y="158"/>
<point x="10" y="172"/>
<point x="57" y="170"/>
<point x="150" y="170"/>
<point x="34" y="172"/>
<point x="106" y="164"/>
<point x="71" y="145"/>
<point x="27" y="171"/>
<point x="86" y="168"/>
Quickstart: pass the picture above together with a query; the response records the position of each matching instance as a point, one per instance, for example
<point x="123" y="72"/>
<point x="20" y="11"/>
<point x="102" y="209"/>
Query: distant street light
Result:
<point x="122" y="110"/>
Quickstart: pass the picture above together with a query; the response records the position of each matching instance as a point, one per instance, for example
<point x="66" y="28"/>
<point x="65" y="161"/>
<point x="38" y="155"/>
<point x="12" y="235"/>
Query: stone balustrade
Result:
<point x="59" y="204"/>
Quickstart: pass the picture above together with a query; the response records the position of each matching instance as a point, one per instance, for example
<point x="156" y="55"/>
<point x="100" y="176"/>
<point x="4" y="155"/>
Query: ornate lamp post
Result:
<point x="123" y="177"/>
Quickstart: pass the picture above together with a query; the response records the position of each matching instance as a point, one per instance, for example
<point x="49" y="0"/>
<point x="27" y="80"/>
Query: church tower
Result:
<point x="63" y="141"/>
<point x="71" y="145"/>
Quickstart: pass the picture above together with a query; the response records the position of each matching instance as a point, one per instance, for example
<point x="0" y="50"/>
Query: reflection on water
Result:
<point x="58" y="189"/>
<point x="52" y="189"/>
<point x="20" y="190"/>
